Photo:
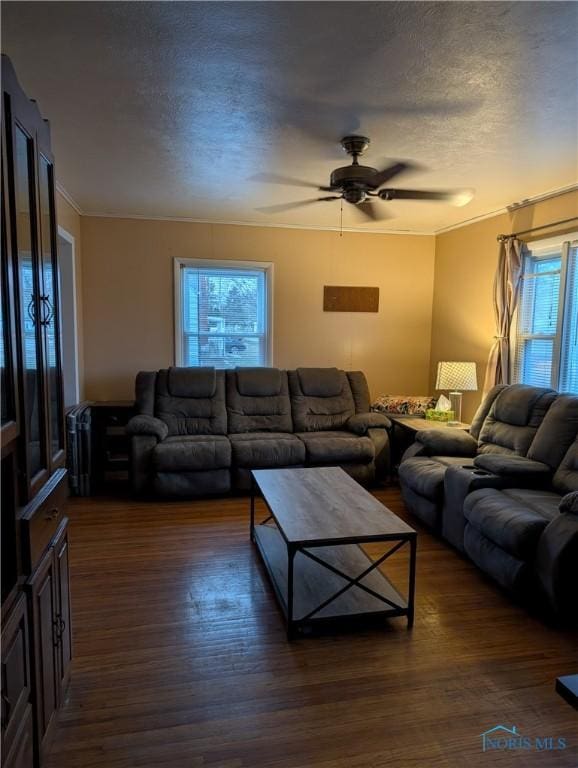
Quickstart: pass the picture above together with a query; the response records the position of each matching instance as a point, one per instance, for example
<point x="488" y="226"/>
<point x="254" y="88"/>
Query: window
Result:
<point x="223" y="313"/>
<point x="546" y="346"/>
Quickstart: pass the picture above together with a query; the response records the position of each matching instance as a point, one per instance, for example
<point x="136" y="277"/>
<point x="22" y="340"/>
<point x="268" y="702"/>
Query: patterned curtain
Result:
<point x="506" y="290"/>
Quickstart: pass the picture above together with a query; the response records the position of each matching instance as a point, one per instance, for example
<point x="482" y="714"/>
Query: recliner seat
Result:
<point x="523" y="538"/>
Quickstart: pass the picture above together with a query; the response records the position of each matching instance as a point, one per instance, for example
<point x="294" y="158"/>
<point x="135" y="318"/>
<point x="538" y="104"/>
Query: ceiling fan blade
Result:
<point x="457" y="197"/>
<point x="289" y="206"/>
<point x="371" y="211"/>
<point x="388" y="173"/>
<point x="275" y="178"/>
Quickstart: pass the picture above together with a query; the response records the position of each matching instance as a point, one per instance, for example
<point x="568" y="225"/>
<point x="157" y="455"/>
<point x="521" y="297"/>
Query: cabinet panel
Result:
<point x="15" y="676"/>
<point x="22" y="753"/>
<point x="43" y="596"/>
<point x="29" y="292"/>
<point x="41" y="519"/>
<point x="63" y="599"/>
<point x="8" y="392"/>
<point x="49" y="303"/>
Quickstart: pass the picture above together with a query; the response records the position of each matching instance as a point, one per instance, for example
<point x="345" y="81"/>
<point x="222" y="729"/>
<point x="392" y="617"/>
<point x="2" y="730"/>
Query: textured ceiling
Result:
<point x="169" y="108"/>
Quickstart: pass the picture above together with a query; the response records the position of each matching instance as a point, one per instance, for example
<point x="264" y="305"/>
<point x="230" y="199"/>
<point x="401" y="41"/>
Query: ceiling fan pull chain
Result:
<point x="341" y="219"/>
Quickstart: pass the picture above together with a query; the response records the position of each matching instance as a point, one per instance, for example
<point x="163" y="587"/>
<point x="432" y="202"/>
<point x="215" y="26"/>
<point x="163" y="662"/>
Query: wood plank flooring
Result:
<point x="181" y="658"/>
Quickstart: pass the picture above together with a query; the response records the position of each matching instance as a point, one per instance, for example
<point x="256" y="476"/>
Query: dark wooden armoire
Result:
<point x="36" y="631"/>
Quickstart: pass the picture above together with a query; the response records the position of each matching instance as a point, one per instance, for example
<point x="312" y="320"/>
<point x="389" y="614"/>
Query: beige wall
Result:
<point x="465" y="264"/>
<point x="69" y="220"/>
<point x="128" y="298"/>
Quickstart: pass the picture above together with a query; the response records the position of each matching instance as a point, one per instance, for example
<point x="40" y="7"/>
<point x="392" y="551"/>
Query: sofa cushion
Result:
<point x="258" y="413"/>
<point x="335" y="447"/>
<point x="425" y="476"/>
<point x="314" y="413"/>
<point x="566" y="477"/>
<point x="192" y="382"/>
<point x="514" y="418"/>
<point x="545" y="503"/>
<point x="147" y="425"/>
<point x="483" y="409"/>
<point x="359" y="390"/>
<point x="258" y="382"/>
<point x="514" y="466"/>
<point x="320" y="382"/>
<point x="557" y="431"/>
<point x="266" y="449"/>
<point x="360" y="423"/>
<point x="145" y="385"/>
<point x="506" y="521"/>
<point x="569" y="504"/>
<point x="192" y="453"/>
<point x="194" y="415"/>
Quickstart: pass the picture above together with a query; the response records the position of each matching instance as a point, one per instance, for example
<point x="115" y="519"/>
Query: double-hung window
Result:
<point x="223" y="313"/>
<point x="546" y="336"/>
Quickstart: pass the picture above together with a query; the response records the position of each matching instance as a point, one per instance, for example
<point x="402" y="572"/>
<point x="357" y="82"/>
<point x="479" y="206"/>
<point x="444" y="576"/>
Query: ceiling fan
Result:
<point x="359" y="185"/>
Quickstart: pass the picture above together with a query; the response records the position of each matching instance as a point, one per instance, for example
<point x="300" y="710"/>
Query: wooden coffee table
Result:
<point x="310" y="545"/>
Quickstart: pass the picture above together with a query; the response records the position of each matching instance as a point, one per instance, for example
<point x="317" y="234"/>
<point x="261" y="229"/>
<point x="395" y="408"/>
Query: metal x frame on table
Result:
<point x="304" y="549"/>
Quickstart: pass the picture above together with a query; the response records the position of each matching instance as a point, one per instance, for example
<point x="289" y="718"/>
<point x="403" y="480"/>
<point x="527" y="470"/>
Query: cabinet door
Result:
<point x="28" y="276"/>
<point x="63" y="617"/>
<point x="22" y="753"/>
<point x="43" y="591"/>
<point x="8" y="392"/>
<point x="15" y="672"/>
<point x="49" y="317"/>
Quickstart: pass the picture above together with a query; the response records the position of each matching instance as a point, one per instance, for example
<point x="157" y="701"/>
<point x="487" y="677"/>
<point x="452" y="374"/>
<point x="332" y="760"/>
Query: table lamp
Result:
<point x="457" y="378"/>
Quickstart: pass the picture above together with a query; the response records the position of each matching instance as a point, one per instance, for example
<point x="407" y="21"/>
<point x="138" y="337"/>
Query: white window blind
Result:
<point x="546" y="345"/>
<point x="224" y="316"/>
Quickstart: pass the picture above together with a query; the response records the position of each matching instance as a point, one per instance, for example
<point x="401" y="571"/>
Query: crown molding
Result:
<point x="319" y="228"/>
<point x="511" y="208"/>
<point x="69" y="199"/>
<point x="260" y="225"/>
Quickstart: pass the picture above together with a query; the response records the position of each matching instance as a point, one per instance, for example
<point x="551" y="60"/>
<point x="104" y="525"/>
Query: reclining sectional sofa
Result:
<point x="505" y="493"/>
<point x="200" y="431"/>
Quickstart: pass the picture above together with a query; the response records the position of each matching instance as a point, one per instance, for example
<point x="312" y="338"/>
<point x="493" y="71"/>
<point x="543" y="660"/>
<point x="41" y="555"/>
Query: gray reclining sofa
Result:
<point x="508" y="499"/>
<point x="200" y="431"/>
<point x="437" y="471"/>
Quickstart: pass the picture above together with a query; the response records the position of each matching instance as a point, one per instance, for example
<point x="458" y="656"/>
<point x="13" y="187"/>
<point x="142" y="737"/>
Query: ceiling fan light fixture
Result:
<point x="462" y="197"/>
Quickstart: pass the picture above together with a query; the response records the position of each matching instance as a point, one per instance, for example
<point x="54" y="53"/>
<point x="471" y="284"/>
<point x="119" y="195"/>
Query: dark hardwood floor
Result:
<point x="181" y="658"/>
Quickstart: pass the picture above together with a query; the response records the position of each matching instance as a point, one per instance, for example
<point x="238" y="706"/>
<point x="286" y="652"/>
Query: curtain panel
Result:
<point x="506" y="292"/>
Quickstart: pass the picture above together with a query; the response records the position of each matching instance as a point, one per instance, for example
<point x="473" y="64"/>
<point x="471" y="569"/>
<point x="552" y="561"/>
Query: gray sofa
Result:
<point x="509" y="500"/>
<point x="437" y="471"/>
<point x="200" y="431"/>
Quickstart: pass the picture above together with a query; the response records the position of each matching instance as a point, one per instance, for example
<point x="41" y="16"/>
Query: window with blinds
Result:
<point x="224" y="312"/>
<point x="546" y="345"/>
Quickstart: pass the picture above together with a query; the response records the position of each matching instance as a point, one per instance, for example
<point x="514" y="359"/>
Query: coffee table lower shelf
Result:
<point x="310" y="592"/>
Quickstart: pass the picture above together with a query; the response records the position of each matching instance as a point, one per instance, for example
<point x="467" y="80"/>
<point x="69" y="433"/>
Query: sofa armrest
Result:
<point x="380" y="439"/>
<point x="569" y="504"/>
<point x="147" y="425"/>
<point x="447" y="442"/>
<point x="515" y="468"/>
<point x="459" y="482"/>
<point x="362" y="422"/>
<point x="556" y="564"/>
<point x="141" y="453"/>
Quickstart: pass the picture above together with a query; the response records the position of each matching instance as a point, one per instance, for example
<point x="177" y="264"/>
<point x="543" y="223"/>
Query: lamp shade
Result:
<point x="457" y="376"/>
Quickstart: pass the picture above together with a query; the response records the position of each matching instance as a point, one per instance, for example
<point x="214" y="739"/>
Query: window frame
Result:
<point x="538" y="250"/>
<point x="266" y="267"/>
